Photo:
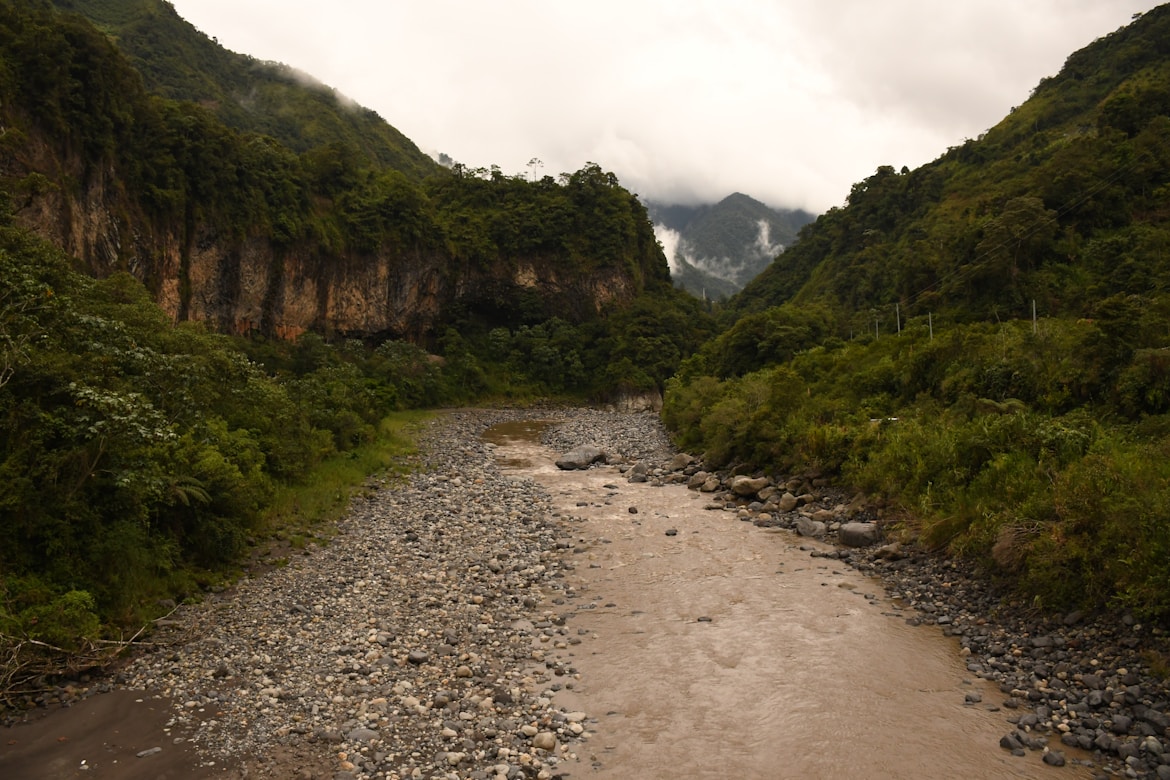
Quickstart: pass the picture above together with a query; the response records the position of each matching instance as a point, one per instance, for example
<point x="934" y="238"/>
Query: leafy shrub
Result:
<point x="29" y="609"/>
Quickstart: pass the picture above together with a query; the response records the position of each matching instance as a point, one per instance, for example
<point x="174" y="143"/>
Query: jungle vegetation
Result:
<point x="142" y="459"/>
<point x="893" y="347"/>
<point x="983" y="342"/>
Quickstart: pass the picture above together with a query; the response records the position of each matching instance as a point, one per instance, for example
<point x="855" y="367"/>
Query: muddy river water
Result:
<point x="713" y="648"/>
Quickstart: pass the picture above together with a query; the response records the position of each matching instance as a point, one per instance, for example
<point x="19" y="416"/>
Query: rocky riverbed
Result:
<point x="431" y="637"/>
<point x="409" y="647"/>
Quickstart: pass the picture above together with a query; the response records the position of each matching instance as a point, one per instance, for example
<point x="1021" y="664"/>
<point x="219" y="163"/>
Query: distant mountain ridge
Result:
<point x="714" y="250"/>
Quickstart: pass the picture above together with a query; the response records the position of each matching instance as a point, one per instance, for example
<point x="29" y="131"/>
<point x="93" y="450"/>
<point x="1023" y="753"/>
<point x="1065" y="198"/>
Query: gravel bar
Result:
<point x="409" y="647"/>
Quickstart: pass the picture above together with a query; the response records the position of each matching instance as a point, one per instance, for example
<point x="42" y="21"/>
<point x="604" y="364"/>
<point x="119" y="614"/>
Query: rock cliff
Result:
<point x="251" y="284"/>
<point x="249" y="233"/>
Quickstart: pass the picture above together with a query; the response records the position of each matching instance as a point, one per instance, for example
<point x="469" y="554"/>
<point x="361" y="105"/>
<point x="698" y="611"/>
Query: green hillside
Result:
<point x="145" y="451"/>
<point x="174" y="176"/>
<point x="1053" y="202"/>
<point x="181" y="63"/>
<point x="894" y="346"/>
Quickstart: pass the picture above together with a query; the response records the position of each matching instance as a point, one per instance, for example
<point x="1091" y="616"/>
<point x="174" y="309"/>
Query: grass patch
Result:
<point x="309" y="510"/>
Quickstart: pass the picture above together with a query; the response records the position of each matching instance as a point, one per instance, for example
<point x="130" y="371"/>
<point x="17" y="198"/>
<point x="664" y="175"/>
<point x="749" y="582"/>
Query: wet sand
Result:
<point x="100" y="737"/>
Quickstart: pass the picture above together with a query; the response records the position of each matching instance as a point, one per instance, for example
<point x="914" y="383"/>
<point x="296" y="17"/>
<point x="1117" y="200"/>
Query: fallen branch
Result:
<point x="25" y="661"/>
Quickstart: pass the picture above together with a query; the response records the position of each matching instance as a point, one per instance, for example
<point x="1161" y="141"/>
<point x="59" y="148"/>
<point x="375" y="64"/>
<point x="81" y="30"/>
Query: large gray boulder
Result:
<point x="858" y="534"/>
<point x="580" y="457"/>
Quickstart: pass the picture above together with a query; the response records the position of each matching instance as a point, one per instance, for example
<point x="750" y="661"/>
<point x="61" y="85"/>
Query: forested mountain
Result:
<point x="210" y="304"/>
<point x="720" y="248"/>
<point x="237" y="228"/>
<point x="179" y="62"/>
<point x="983" y="342"/>
<point x="1062" y="203"/>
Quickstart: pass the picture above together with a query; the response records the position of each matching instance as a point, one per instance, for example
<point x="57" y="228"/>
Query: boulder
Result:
<point x="697" y="479"/>
<point x="711" y="485"/>
<point x="748" y="486"/>
<point x="639" y="473"/>
<point x="806" y="526"/>
<point x="681" y="461"/>
<point x="1054" y="758"/>
<point x="786" y="503"/>
<point x="858" y="534"/>
<point x="825" y="516"/>
<point x="580" y="458"/>
<point x="362" y="735"/>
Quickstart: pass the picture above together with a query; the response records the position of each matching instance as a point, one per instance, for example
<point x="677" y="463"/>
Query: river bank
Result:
<point x="435" y="637"/>
<point x="407" y="647"/>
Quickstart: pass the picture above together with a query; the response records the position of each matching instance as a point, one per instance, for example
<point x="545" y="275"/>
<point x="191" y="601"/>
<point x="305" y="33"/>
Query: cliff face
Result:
<point x="249" y="284"/>
<point x="239" y="230"/>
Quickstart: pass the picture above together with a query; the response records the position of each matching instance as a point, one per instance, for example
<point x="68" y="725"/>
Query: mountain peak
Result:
<point x="715" y="249"/>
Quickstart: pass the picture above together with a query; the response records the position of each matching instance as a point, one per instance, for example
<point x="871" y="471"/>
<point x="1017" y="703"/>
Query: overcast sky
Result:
<point x="789" y="101"/>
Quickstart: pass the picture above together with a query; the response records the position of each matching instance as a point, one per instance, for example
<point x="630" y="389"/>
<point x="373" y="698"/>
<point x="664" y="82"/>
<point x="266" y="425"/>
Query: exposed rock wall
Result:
<point x="250" y="284"/>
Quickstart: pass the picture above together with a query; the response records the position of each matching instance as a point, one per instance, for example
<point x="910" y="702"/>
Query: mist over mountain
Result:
<point x="714" y="250"/>
<point x="178" y="62"/>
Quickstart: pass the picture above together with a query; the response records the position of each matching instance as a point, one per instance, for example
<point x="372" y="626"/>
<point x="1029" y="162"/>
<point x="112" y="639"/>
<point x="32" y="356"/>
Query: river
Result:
<point x="713" y="648"/>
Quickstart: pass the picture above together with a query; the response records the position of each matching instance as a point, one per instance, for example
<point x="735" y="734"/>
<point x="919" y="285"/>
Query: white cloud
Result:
<point x="670" y="244"/>
<point x="789" y="101"/>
